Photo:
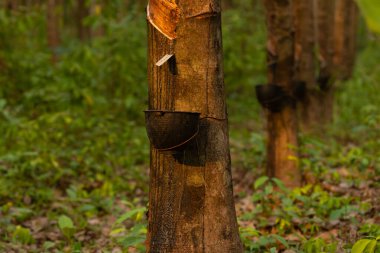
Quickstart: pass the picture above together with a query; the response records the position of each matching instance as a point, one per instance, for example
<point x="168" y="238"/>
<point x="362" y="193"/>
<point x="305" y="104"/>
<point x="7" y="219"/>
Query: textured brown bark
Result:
<point x="352" y="34"/>
<point x="346" y="21"/>
<point x="191" y="206"/>
<point x="11" y="5"/>
<point x="282" y="160"/>
<point x="341" y="38"/>
<point x="304" y="57"/>
<point x="325" y="10"/>
<point x="53" y="37"/>
<point x="83" y="11"/>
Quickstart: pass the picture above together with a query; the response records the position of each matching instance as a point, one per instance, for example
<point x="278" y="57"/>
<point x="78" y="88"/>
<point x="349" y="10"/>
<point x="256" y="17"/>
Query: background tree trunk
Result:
<point x="191" y="205"/>
<point x="304" y="57"/>
<point x="83" y="11"/>
<point x="352" y="34"/>
<point x="346" y="25"/>
<point x="326" y="44"/>
<point x="282" y="159"/>
<point x="53" y="28"/>
<point x="11" y="5"/>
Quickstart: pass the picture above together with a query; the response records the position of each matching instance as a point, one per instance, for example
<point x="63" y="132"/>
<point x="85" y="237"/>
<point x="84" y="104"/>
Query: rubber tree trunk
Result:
<point x="282" y="154"/>
<point x="304" y="57"/>
<point x="53" y="37"/>
<point x="353" y="25"/>
<point x="346" y="25"/>
<point x="11" y="5"/>
<point x="326" y="44"/>
<point x="83" y="11"/>
<point x="191" y="205"/>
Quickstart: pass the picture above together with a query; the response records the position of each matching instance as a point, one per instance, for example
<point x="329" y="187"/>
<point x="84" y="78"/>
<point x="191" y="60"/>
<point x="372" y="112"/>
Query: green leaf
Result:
<point x="279" y="184"/>
<point x="3" y="102"/>
<point x="133" y="240"/>
<point x="48" y="244"/>
<point x="360" y="246"/>
<point x="65" y="222"/>
<point x="260" y="181"/>
<point x="117" y="231"/>
<point x="281" y="240"/>
<point x="66" y="225"/>
<point x="130" y="214"/>
<point x="268" y="189"/>
<point x="22" y="235"/>
<point x="371" y="247"/>
<point x="371" y="11"/>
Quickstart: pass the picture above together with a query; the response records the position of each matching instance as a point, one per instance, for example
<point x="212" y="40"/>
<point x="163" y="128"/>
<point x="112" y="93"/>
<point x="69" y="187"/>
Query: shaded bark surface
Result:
<point x="53" y="28"/>
<point x="282" y="160"/>
<point x="191" y="206"/>
<point x="352" y="34"/>
<point x="346" y="25"/>
<point x="10" y="5"/>
<point x="304" y="57"/>
<point x="325" y="18"/>
<point x="83" y="31"/>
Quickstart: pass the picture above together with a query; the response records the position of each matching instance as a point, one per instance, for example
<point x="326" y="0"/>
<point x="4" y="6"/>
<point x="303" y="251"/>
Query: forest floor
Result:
<point x="337" y="205"/>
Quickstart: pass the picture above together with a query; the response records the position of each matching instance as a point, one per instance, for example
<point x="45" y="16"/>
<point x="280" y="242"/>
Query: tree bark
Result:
<point x="282" y="154"/>
<point x="83" y="11"/>
<point x="53" y="28"/>
<point x="352" y="34"/>
<point x="346" y="25"/>
<point x="191" y="206"/>
<point x="11" y="5"/>
<point x="304" y="57"/>
<point x="326" y="47"/>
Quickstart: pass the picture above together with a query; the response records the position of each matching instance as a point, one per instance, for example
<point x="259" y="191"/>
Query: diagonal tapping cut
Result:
<point x="164" y="16"/>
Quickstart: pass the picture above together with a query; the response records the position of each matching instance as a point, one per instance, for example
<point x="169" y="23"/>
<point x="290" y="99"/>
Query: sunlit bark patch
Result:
<point x="164" y="16"/>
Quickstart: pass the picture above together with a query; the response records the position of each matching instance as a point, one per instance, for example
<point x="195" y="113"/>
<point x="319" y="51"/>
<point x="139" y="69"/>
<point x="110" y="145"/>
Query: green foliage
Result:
<point x="318" y="246"/>
<point x="370" y="245"/>
<point x="371" y="12"/>
<point x="22" y="235"/>
<point x="66" y="226"/>
<point x="136" y="234"/>
<point x="370" y="230"/>
<point x="254" y="241"/>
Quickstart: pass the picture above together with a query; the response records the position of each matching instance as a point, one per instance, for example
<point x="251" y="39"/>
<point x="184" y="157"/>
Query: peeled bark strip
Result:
<point x="53" y="28"/>
<point x="191" y="206"/>
<point x="282" y="160"/>
<point x="304" y="28"/>
<point x="164" y="16"/>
